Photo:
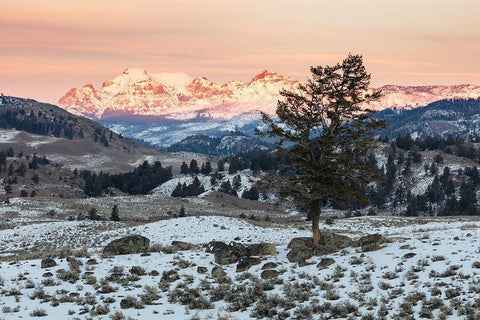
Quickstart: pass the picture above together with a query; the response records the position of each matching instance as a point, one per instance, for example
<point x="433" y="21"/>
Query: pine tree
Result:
<point x="326" y="130"/>
<point x="184" y="168"/>
<point x="181" y="213"/>
<point x="115" y="215"/>
<point x="193" y="169"/>
<point x="221" y="165"/>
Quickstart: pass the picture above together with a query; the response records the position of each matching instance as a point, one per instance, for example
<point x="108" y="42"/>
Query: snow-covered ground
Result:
<point x="430" y="269"/>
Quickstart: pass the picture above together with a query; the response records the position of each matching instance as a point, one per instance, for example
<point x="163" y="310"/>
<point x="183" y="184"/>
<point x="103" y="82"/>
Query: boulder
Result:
<point x="127" y="245"/>
<point x="47" y="263"/>
<point x="262" y="249"/>
<point x="269" y="274"/>
<point x="246" y="262"/>
<point x="300" y="242"/>
<point x="336" y="241"/>
<point x="218" y="272"/>
<point x="409" y="255"/>
<point x="325" y="263"/>
<point x="202" y="270"/>
<point x="226" y="254"/>
<point x="370" y="242"/>
<point x="302" y="248"/>
<point x="183" y="246"/>
<point x="269" y="265"/>
<point x="299" y="255"/>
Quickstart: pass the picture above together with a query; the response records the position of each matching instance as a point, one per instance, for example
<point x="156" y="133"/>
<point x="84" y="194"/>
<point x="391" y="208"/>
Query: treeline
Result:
<point x="141" y="180"/>
<point x="40" y="123"/>
<point x="451" y="145"/>
<point x="50" y="123"/>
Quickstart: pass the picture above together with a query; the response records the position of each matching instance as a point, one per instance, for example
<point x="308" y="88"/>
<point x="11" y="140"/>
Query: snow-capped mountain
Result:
<point x="176" y="96"/>
<point x="180" y="96"/>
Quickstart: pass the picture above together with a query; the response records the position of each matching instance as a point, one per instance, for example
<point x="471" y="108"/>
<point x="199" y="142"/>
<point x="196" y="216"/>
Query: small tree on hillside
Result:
<point x="115" y="215"/>
<point x="324" y="130"/>
<point x="181" y="213"/>
<point x="93" y="214"/>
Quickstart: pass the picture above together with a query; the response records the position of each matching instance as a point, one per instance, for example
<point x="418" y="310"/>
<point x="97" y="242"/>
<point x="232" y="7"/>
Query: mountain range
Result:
<point x="182" y="97"/>
<point x="165" y="108"/>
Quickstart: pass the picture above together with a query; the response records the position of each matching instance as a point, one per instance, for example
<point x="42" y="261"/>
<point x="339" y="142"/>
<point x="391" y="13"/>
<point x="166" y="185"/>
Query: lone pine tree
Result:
<point x="325" y="129"/>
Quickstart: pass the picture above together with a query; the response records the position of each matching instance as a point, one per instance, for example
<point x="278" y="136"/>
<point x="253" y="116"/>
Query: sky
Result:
<point x="47" y="47"/>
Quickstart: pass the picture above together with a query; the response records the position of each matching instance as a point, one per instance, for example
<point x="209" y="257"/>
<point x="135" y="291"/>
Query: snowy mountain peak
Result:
<point x="180" y="96"/>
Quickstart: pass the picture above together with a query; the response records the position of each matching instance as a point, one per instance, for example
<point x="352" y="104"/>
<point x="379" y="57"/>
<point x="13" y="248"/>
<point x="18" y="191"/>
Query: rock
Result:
<point x="333" y="240"/>
<point x="456" y="238"/>
<point x="153" y="273"/>
<point x="47" y="263"/>
<point x="202" y="270"/>
<point x="468" y="235"/>
<point x="246" y="262"/>
<point x="225" y="257"/>
<point x="227" y="254"/>
<point x="409" y="255"/>
<point x="325" y="262"/>
<point x="47" y="275"/>
<point x="302" y="248"/>
<point x="87" y="274"/>
<point x="299" y="255"/>
<point x="405" y="247"/>
<point x="238" y="249"/>
<point x="262" y="249"/>
<point x="91" y="262"/>
<point x="183" y="246"/>
<point x="269" y="265"/>
<point x="214" y="246"/>
<point x="218" y="272"/>
<point x="269" y="274"/>
<point x="370" y="242"/>
<point x="300" y="242"/>
<point x="127" y="245"/>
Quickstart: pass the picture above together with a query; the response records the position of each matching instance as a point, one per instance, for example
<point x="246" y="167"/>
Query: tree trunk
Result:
<point x="315" y="214"/>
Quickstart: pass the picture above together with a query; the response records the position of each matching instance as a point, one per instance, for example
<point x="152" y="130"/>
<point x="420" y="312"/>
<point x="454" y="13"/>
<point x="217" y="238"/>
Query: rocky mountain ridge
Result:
<point x="179" y="96"/>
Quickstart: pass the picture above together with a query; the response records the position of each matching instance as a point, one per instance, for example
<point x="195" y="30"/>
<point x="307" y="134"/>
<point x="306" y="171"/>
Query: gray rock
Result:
<point x="299" y="255"/>
<point x="337" y="241"/>
<point x="202" y="270"/>
<point x="300" y="242"/>
<point x="183" y="246"/>
<point x="225" y="257"/>
<point x="127" y="245"/>
<point x="370" y="242"/>
<point x="47" y="263"/>
<point x="246" y="262"/>
<point x="269" y="274"/>
<point x="91" y="262"/>
<point x="269" y="265"/>
<point x="262" y="249"/>
<point x="409" y="255"/>
<point x="218" y="272"/>
<point x="325" y="262"/>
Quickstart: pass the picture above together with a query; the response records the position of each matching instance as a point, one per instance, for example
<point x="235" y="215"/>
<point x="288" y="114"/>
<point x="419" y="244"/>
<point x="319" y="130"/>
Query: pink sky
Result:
<point x="48" y="47"/>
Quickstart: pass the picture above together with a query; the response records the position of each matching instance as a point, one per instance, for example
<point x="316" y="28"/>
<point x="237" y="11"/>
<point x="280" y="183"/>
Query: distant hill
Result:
<point x="231" y="143"/>
<point x="457" y="117"/>
<point x="32" y="127"/>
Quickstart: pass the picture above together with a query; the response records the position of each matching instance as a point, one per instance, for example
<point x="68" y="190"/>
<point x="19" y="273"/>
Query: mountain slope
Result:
<point x="457" y="117"/>
<point x="31" y="127"/>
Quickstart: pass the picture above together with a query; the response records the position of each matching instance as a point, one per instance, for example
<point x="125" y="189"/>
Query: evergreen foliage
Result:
<point x="141" y="180"/>
<point x="115" y="215"/>
<point x="324" y="130"/>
